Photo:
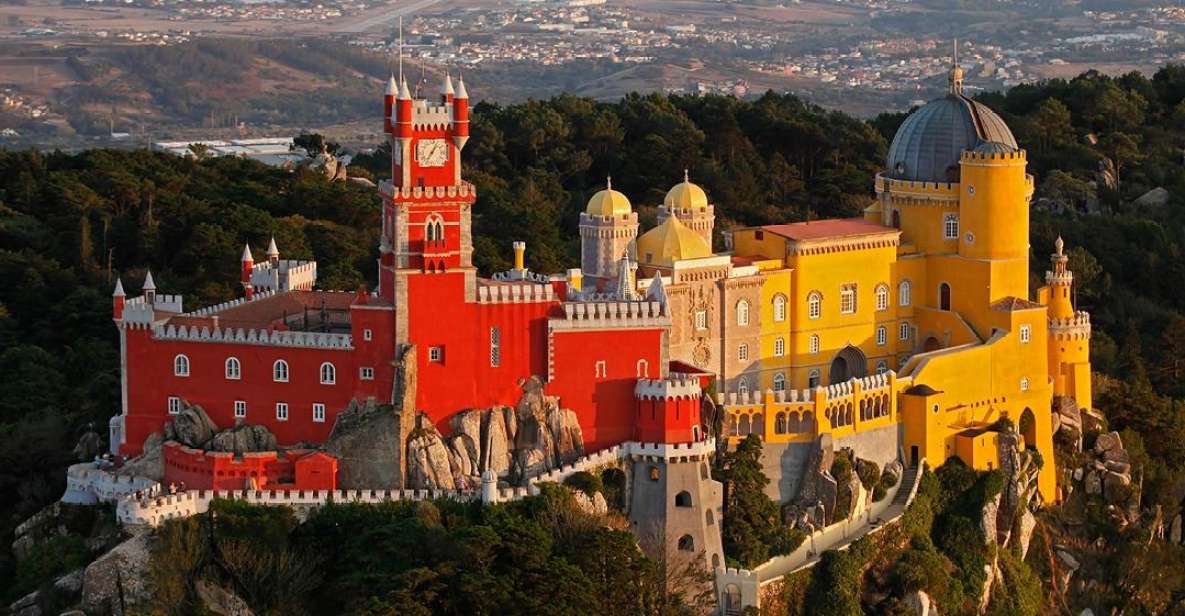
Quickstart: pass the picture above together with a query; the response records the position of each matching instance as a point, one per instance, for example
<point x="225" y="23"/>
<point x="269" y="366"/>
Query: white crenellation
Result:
<point x="677" y="385"/>
<point x="464" y="189"/>
<point x="228" y="335"/>
<point x="425" y="116"/>
<point x="87" y="485"/>
<point x="284" y="275"/>
<point x="527" y="293"/>
<point x="595" y="315"/>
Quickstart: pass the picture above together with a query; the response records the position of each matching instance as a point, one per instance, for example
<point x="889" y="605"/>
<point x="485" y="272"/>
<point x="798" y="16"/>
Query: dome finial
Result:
<point x="1059" y="245"/>
<point x="608" y="182"/>
<point x="956" y="73"/>
<point x="686" y="177"/>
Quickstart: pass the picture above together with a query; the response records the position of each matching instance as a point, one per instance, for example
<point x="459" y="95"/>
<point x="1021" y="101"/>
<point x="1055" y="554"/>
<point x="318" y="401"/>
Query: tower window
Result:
<point x="435" y="354"/>
<point x="683" y="499"/>
<point x="1026" y="333"/>
<point x="600" y="370"/>
<point x="904" y="293"/>
<point x="367" y="334"/>
<point x="743" y="352"/>
<point x="950" y="226"/>
<point x="174" y="405"/>
<point x="643" y="369"/>
<point x="814" y="305"/>
<point x="366" y="373"/>
<point x="1024" y="383"/>
<point x="701" y="319"/>
<point x="742" y="312"/>
<point x="882" y="297"/>
<point x="495" y="347"/>
<point x="653" y="473"/>
<point x="779" y="308"/>
<point x="779" y="347"/>
<point x="903" y="331"/>
<point x="813" y="344"/>
<point x="882" y="336"/>
<point x="240" y="409"/>
<point x="181" y="365"/>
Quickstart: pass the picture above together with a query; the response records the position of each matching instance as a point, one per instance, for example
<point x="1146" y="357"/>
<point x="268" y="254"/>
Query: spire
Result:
<point x="1059" y="246"/>
<point x="247" y="253"/>
<point x="447" y="87"/>
<point x="657" y="292"/>
<point x="461" y="91"/>
<point x="625" y="280"/>
<point x="118" y="288"/>
<point x="608" y="182"/>
<point x="149" y="284"/>
<point x="686" y="177"/>
<point x="404" y="92"/>
<point x="392" y="87"/>
<point x="272" y="251"/>
<point x="956" y="73"/>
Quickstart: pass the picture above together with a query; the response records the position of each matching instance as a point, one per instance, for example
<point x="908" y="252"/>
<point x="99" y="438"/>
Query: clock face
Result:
<point x="432" y="152"/>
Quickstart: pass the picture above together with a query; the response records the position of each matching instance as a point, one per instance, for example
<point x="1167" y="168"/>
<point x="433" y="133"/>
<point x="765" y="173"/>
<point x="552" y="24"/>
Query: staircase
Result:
<point x="908" y="476"/>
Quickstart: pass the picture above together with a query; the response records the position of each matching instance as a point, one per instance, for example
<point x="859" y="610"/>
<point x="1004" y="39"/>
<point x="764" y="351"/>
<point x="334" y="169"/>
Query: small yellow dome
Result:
<point x="686" y="196"/>
<point x="669" y="242"/>
<point x="608" y="202"/>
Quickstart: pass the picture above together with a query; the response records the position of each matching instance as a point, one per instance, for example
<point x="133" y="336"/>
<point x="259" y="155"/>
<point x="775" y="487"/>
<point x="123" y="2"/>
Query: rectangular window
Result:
<point x="435" y="354"/>
<point x="904" y="331"/>
<point x="174" y="405"/>
<point x="601" y="370"/>
<point x="366" y="374"/>
<point x="950" y="226"/>
<point x="847" y="299"/>
<point x="318" y="412"/>
<point x="281" y="411"/>
<point x="779" y="347"/>
<point x="1026" y="333"/>
<point x="743" y="352"/>
<point x="367" y="334"/>
<point x="701" y="319"/>
<point x="882" y="336"/>
<point x="240" y="409"/>
<point x="495" y="347"/>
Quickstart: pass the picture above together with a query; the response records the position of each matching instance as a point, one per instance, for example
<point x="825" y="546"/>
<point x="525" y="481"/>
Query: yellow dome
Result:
<point x="608" y="202"/>
<point x="669" y="242"/>
<point x="686" y="196"/>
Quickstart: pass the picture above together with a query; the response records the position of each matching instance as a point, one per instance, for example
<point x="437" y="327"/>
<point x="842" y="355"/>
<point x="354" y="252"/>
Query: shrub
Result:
<point x="870" y="473"/>
<point x="586" y="482"/>
<point x="613" y="487"/>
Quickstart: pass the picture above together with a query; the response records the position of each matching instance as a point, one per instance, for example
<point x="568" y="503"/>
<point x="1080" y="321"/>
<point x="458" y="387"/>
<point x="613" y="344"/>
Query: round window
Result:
<point x="970" y="237"/>
<point x="970" y="189"/>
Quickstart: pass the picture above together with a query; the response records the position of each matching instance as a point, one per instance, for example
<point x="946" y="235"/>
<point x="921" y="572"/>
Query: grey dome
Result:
<point x="931" y="139"/>
<point x="994" y="147"/>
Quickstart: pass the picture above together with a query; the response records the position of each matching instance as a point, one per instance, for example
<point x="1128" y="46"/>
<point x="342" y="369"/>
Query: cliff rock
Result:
<point x="121" y="573"/>
<point x="191" y="427"/>
<point x="428" y="463"/>
<point x="1068" y="419"/>
<point x="220" y="601"/>
<point x="243" y="438"/>
<point x="366" y="442"/>
<point x="89" y="445"/>
<point x="150" y="463"/>
<point x="546" y="436"/>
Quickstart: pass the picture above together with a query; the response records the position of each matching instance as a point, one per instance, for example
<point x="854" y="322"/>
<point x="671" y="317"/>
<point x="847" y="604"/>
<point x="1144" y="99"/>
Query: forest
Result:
<point x="70" y="223"/>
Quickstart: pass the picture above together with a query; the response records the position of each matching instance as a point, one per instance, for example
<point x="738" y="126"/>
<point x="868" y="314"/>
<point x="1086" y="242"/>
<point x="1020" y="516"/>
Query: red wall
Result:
<point x="439" y="316"/>
<point x="290" y="470"/>
<point x="605" y="405"/>
<point x="668" y="420"/>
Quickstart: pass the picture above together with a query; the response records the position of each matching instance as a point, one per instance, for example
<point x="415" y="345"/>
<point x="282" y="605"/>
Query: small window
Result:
<point x="779" y="382"/>
<point x="813" y="344"/>
<point x="743" y="387"/>
<point x="903" y="331"/>
<point x="779" y="347"/>
<point x="814" y="305"/>
<point x="318" y="412"/>
<point x="759" y="235"/>
<point x="779" y="308"/>
<point x="600" y="370"/>
<point x="743" y="352"/>
<point x="240" y="409"/>
<point x="174" y="405"/>
<point x="366" y="374"/>
<point x="328" y="374"/>
<point x="367" y="334"/>
<point x="280" y="371"/>
<point x="742" y="312"/>
<point x="1026" y="333"/>
<point x="882" y="367"/>
<point x="281" y="411"/>
<point x="435" y="354"/>
<point x="812" y="380"/>
<point x="683" y="499"/>
<point x="181" y="366"/>
<point x="904" y="293"/>
<point x="686" y="543"/>
<point x="882" y="336"/>
<point x="495" y="347"/>
<point x="643" y="369"/>
<point x="234" y="370"/>
<point x="882" y="297"/>
<point x="847" y="299"/>
<point x="701" y="319"/>
<point x="950" y="227"/>
<point x="653" y="473"/>
<point x="1024" y="383"/>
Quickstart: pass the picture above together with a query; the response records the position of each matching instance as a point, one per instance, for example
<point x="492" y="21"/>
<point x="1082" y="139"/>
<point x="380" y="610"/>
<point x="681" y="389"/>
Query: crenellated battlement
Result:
<point x="284" y="275"/>
<point x="425" y="116"/>
<point x="462" y="190"/>
<point x="910" y="187"/>
<point x="1065" y="278"/>
<point x="598" y="314"/>
<point x="524" y="293"/>
<point x="972" y="156"/>
<point x="217" y="308"/>
<point x="677" y="385"/>
<point x="87" y="485"/>
<point x="137" y="312"/>
<point x="229" y="335"/>
<point x="1076" y="327"/>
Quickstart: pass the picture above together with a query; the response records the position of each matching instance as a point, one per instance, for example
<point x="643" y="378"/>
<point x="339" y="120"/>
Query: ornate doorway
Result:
<point x="848" y="364"/>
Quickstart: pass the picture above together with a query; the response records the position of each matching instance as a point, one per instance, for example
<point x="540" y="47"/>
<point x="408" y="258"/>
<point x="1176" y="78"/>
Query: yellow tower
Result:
<point x="1069" y="332"/>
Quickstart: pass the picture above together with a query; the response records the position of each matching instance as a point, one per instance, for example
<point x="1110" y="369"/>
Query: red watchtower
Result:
<point x="668" y="409"/>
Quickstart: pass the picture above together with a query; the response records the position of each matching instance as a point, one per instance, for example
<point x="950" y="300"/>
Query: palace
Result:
<point x="906" y="334"/>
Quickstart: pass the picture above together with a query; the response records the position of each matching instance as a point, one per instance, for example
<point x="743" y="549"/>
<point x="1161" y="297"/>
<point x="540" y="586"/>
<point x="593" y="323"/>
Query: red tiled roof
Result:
<point x="263" y="312"/>
<point x="1009" y="304"/>
<point x="823" y="229"/>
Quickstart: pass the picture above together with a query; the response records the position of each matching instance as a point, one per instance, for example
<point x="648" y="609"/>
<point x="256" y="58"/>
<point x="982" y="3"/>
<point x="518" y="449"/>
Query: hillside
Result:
<point x="69" y="223"/>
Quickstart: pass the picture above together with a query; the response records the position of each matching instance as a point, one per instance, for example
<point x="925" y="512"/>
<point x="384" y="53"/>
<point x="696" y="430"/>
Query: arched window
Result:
<point x="686" y="543"/>
<point x="882" y="367"/>
<point x="814" y="305"/>
<point x="779" y="347"/>
<point x="743" y="352"/>
<point x="779" y="382"/>
<point x="944" y="296"/>
<point x="745" y="426"/>
<point x="181" y="365"/>
<point x="904" y="293"/>
<point x="882" y="335"/>
<point x="683" y="499"/>
<point x="812" y="379"/>
<point x="896" y="219"/>
<point x="743" y="312"/>
<point x="780" y="423"/>
<point x="743" y="387"/>
<point x="709" y="517"/>
<point x="882" y="297"/>
<point x="950" y="227"/>
<point x="813" y="344"/>
<point x="234" y="369"/>
<point x="328" y="374"/>
<point x="280" y="371"/>
<point x="779" y="308"/>
<point x="643" y="369"/>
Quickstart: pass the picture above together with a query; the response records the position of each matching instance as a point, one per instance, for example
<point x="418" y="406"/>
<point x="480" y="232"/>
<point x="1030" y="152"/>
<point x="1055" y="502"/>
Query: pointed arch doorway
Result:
<point x="849" y="363"/>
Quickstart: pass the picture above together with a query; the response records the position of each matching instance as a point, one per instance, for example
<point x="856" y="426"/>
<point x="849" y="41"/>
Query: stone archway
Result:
<point x="931" y="344"/>
<point x="849" y="363"/>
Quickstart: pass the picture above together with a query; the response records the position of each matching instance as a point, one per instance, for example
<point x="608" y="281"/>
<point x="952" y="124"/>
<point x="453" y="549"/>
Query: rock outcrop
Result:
<point x="815" y="504"/>
<point x="370" y="439"/>
<point x="151" y="461"/>
<point x="243" y="438"/>
<point x="89" y="445"/>
<point x="546" y="436"/>
<point x="1067" y="421"/>
<point x="118" y="579"/>
<point x="191" y="427"/>
<point x="1108" y="476"/>
<point x="429" y="465"/>
<point x="220" y="601"/>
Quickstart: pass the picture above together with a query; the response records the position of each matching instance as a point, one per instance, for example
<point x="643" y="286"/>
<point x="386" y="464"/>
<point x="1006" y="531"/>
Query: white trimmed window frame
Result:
<point x="319" y="412"/>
